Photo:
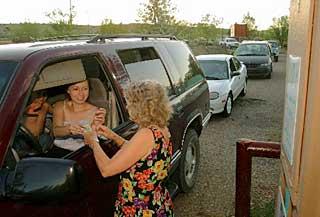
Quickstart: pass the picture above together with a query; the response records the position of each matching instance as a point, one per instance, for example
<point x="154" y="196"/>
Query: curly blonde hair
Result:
<point x="148" y="103"/>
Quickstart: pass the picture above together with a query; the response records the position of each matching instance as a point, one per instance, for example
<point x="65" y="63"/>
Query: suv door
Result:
<point x="98" y="196"/>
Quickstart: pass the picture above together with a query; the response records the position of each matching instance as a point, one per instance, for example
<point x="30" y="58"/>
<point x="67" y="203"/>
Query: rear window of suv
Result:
<point x="189" y="71"/>
<point x="145" y="63"/>
<point x="7" y="69"/>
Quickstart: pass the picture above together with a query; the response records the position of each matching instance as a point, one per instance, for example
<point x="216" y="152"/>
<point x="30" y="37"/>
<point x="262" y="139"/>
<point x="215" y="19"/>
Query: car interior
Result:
<point x="52" y="84"/>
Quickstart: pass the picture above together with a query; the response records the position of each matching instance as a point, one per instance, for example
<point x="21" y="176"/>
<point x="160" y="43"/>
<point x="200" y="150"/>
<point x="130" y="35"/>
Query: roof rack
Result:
<point x="103" y="38"/>
<point x="69" y="37"/>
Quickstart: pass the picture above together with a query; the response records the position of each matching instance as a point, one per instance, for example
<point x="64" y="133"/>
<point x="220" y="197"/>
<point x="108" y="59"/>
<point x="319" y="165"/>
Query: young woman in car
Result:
<point x="144" y="160"/>
<point x="72" y="117"/>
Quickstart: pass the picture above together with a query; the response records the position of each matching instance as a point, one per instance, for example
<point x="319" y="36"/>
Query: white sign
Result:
<point x="291" y="106"/>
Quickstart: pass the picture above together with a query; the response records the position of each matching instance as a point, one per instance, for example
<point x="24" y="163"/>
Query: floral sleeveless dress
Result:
<point x="141" y="188"/>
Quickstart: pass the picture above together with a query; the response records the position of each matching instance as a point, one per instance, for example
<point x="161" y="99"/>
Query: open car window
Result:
<point x="52" y="85"/>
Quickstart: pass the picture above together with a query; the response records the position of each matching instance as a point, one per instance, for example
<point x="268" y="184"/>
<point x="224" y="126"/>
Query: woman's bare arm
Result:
<point x="58" y="121"/>
<point x="139" y="146"/>
<point x="108" y="133"/>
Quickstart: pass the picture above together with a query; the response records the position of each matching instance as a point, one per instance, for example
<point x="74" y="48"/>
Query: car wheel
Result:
<point x="228" y="106"/>
<point x="269" y="76"/>
<point x="244" y="90"/>
<point x="189" y="162"/>
<point x="276" y="58"/>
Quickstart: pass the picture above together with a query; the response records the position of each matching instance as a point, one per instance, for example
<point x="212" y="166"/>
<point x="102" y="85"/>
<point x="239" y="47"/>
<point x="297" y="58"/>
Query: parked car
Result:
<point x="257" y="57"/>
<point x="33" y="184"/>
<point x="275" y="48"/>
<point x="227" y="79"/>
<point x="229" y="43"/>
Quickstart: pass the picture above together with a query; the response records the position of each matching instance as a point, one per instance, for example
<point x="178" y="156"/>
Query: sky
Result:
<point x="93" y="12"/>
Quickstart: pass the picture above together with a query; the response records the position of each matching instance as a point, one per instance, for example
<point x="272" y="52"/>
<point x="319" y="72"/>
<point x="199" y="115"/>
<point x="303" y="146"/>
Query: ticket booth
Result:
<point x="299" y="184"/>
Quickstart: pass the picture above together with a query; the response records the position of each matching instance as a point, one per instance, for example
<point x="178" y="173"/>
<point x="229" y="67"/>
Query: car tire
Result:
<point x="189" y="162"/>
<point x="268" y="76"/>
<point x="228" y="106"/>
<point x="276" y="58"/>
<point x="244" y="90"/>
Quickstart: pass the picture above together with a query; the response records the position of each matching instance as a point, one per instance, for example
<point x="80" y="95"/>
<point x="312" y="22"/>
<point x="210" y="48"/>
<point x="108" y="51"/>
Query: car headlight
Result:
<point x="265" y="64"/>
<point x="214" y="95"/>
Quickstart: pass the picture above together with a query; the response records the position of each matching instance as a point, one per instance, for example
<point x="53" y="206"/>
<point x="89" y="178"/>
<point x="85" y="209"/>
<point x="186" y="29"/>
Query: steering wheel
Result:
<point x="27" y="138"/>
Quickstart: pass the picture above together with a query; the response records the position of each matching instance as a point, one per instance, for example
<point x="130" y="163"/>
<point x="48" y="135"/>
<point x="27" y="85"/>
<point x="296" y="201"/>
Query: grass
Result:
<point x="198" y="49"/>
<point x="267" y="210"/>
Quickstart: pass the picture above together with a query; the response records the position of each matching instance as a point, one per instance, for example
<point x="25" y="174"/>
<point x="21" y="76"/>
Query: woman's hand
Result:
<point x="36" y="105"/>
<point x="99" y="116"/>
<point x="76" y="130"/>
<point x="105" y="131"/>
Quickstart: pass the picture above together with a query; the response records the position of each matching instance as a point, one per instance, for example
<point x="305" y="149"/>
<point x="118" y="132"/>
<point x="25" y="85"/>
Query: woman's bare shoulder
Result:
<point x="144" y="134"/>
<point x="58" y="104"/>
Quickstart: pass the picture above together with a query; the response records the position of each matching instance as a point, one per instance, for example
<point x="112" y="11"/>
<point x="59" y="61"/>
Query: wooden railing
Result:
<point x="246" y="149"/>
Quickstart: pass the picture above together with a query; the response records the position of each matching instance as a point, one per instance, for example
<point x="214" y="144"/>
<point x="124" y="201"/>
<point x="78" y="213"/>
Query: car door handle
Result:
<point x="179" y="109"/>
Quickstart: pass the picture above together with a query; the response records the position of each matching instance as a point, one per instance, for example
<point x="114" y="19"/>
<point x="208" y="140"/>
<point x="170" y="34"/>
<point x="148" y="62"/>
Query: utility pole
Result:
<point x="70" y="13"/>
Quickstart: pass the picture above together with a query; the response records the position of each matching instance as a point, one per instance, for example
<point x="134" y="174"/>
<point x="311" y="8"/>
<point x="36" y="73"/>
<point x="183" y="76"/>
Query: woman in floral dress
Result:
<point x="144" y="160"/>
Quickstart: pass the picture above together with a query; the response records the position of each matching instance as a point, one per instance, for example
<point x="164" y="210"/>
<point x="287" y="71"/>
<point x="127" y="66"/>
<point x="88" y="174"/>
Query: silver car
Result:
<point x="227" y="79"/>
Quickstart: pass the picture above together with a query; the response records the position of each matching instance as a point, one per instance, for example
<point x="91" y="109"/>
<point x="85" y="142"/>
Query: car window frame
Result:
<point x="232" y="64"/>
<point x="105" y="71"/>
<point x="236" y="63"/>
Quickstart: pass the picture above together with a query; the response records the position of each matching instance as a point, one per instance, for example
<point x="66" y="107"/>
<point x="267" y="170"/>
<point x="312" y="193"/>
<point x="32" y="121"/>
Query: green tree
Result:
<point x="251" y="25"/>
<point x="25" y="32"/>
<point x="62" y="22"/>
<point x="207" y="28"/>
<point x="280" y="29"/>
<point x="159" y="13"/>
<point x="108" y="27"/>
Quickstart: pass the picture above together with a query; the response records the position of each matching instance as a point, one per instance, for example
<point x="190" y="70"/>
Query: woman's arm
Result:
<point x="35" y="120"/>
<point x="108" y="133"/>
<point x="58" y="121"/>
<point x="139" y="146"/>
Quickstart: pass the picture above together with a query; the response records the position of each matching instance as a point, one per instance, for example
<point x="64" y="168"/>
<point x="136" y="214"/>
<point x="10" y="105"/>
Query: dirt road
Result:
<point x="257" y="116"/>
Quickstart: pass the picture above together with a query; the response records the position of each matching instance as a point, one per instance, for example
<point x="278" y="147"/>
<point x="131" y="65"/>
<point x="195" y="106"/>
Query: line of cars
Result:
<point x="35" y="184"/>
<point x="227" y="75"/>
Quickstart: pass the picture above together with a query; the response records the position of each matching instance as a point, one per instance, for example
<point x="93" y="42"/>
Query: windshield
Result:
<point x="231" y="40"/>
<point x="252" y="50"/>
<point x="214" y="69"/>
<point x="6" y="71"/>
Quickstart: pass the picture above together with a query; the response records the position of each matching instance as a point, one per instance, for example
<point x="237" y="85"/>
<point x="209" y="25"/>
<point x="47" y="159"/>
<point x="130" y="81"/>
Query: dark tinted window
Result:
<point x="274" y="44"/>
<point x="214" y="69"/>
<point x="236" y="63"/>
<point x="190" y="73"/>
<point x="232" y="66"/>
<point x="7" y="69"/>
<point x="137" y="55"/>
<point x="145" y="63"/>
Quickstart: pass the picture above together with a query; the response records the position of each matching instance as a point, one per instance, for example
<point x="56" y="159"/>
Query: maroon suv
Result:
<point x="34" y="183"/>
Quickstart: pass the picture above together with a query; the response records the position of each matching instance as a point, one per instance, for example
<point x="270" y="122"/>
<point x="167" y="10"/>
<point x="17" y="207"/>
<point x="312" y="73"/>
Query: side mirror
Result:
<point x="36" y="179"/>
<point x="233" y="74"/>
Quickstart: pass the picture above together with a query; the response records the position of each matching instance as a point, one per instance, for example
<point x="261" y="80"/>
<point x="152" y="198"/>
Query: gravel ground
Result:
<point x="257" y="116"/>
